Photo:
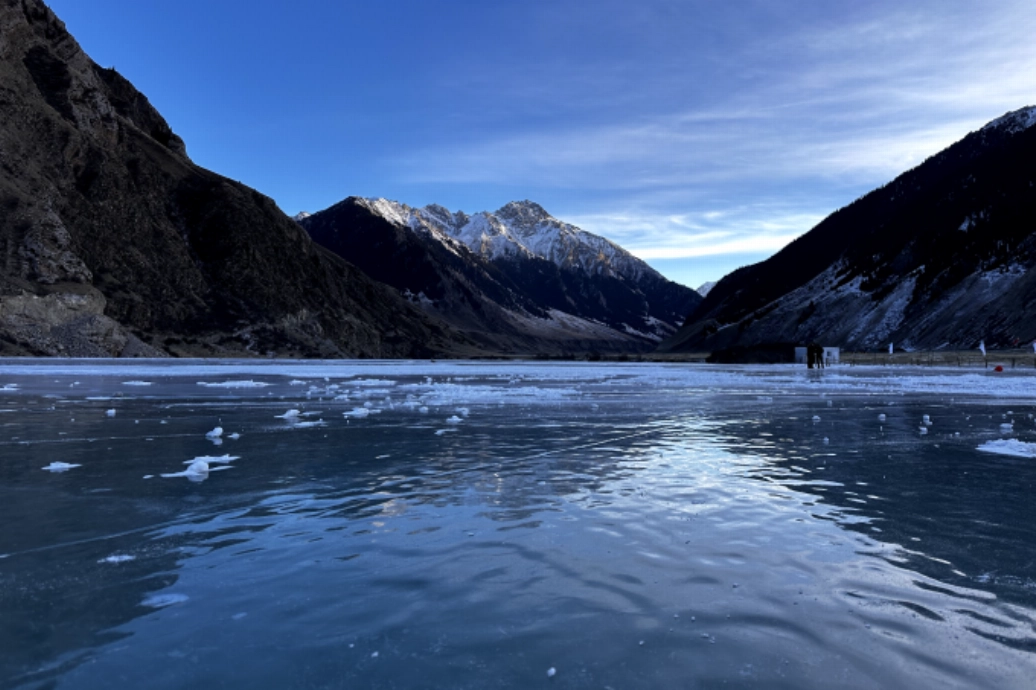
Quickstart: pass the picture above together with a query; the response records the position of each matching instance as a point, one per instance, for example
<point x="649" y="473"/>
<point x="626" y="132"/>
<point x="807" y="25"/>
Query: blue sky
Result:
<point x="700" y="135"/>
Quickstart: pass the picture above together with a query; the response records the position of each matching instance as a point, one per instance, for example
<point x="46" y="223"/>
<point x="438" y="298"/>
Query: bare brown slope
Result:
<point x="113" y="242"/>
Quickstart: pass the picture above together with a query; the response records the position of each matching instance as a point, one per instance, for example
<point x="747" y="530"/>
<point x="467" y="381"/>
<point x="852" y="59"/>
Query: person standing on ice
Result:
<point x="814" y="355"/>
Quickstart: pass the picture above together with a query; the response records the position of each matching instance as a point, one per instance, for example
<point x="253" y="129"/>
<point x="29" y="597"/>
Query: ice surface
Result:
<point x="571" y="513"/>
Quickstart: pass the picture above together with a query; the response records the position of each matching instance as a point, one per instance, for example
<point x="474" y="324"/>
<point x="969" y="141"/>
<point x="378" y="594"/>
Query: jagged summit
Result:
<point x="524" y="212"/>
<point x="518" y="230"/>
<point x="491" y="272"/>
<point x="1014" y="121"/>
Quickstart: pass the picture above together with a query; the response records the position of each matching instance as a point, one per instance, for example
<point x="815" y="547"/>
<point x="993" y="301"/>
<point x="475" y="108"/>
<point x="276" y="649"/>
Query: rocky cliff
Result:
<point x="113" y="242"/>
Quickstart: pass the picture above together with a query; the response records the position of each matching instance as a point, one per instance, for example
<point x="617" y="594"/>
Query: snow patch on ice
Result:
<point x="1010" y="446"/>
<point x="118" y="558"/>
<point x="211" y="459"/>
<point x="233" y="384"/>
<point x="61" y="466"/>
<point x="158" y="601"/>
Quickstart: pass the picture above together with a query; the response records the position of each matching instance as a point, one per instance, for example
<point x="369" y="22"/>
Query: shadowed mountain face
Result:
<point x="942" y="257"/>
<point x="113" y="242"/>
<point x="517" y="280"/>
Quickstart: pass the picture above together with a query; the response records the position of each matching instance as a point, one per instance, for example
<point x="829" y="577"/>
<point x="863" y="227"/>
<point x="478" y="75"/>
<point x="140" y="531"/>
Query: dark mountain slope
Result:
<point x="940" y="257"/>
<point x="113" y="242"/>
<point x="517" y="279"/>
<point x="444" y="277"/>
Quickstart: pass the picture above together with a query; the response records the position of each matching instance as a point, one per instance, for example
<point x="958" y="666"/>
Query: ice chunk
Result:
<point x="215" y="433"/>
<point x="213" y="459"/>
<point x="61" y="466"/>
<point x="816" y="418"/>
<point x="309" y="425"/>
<point x="158" y="601"/>
<point x="1009" y="446"/>
<point x="197" y="471"/>
<point x="110" y="413"/>
<point x="454" y="420"/>
<point x="290" y="414"/>
<point x="136" y="383"/>
<point x="881" y="418"/>
<point x="234" y="384"/>
<point x="551" y="672"/>
<point x="117" y="558"/>
<point x="357" y="412"/>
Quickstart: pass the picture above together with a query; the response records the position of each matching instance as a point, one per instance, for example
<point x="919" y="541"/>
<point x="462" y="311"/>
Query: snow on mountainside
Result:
<point x="1015" y="121"/>
<point x="704" y="288"/>
<point x="498" y="275"/>
<point x="520" y="229"/>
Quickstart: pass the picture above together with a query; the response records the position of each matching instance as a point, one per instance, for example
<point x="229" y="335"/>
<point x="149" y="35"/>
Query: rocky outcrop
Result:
<point x="113" y="242"/>
<point x="942" y="257"/>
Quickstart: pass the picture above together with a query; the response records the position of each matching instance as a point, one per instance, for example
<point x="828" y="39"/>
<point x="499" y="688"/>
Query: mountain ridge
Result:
<point x="114" y="243"/>
<point x="941" y="256"/>
<point x="523" y="261"/>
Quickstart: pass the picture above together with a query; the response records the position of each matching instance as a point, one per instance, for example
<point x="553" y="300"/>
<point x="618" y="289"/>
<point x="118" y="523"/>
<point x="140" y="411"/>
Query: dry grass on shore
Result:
<point x="1008" y="359"/>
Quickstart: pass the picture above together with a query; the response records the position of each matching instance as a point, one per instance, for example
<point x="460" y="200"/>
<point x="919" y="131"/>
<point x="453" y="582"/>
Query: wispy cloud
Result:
<point x="830" y="107"/>
<point x="710" y="233"/>
<point x="825" y="111"/>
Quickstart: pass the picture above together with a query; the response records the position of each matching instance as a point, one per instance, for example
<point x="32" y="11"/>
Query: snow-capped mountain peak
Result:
<point x="510" y="269"/>
<point x="1014" y="121"/>
<point x="518" y="230"/>
<point x="523" y="213"/>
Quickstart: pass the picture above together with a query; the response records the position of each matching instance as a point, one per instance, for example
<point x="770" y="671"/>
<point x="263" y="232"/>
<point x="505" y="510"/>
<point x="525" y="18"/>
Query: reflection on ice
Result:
<point x="647" y="525"/>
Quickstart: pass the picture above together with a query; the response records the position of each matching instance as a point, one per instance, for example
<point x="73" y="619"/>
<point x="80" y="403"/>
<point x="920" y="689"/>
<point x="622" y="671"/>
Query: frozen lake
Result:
<point x="500" y="525"/>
